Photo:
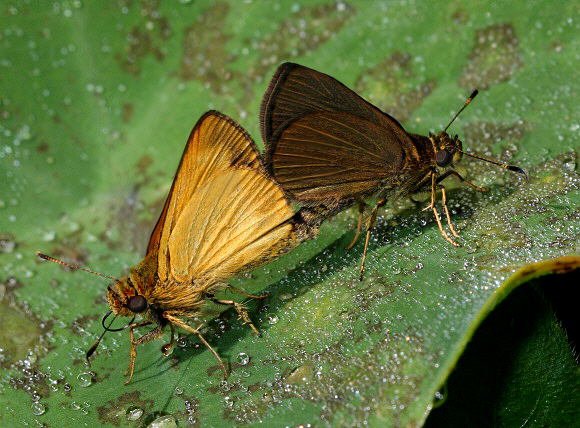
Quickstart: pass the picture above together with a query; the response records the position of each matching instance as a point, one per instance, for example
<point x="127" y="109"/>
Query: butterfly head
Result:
<point x="447" y="150"/>
<point x="124" y="299"/>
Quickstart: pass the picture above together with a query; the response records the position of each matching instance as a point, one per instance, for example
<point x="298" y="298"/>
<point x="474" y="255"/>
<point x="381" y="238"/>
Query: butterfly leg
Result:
<point x="449" y="222"/>
<point x="167" y="349"/>
<point x="361" y="211"/>
<point x="241" y="310"/>
<point x="242" y="292"/>
<point x="178" y="322"/>
<point x="371" y="223"/>
<point x="154" y="334"/>
<point x="431" y="206"/>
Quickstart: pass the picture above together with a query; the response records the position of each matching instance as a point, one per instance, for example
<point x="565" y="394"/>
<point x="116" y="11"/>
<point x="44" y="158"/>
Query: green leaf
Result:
<point x="518" y="368"/>
<point x="97" y="101"/>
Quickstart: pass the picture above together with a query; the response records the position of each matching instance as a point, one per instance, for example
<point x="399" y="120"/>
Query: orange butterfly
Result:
<point x="223" y="216"/>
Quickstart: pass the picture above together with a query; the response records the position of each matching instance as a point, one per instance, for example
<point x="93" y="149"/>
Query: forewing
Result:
<point x="296" y="90"/>
<point x="215" y="145"/>
<point x="336" y="158"/>
<point x="239" y="220"/>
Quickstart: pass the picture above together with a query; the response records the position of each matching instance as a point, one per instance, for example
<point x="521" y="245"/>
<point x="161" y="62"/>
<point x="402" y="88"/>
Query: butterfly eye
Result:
<point x="137" y="304"/>
<point x="443" y="158"/>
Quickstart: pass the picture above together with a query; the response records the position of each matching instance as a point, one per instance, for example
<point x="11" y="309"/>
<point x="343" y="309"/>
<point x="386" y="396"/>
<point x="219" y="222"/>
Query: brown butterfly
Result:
<point x="223" y="216"/>
<point x="330" y="149"/>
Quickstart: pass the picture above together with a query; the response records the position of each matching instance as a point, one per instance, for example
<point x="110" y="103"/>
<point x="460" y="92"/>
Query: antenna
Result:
<point x="70" y="265"/>
<point x="471" y="97"/>
<point x="503" y="165"/>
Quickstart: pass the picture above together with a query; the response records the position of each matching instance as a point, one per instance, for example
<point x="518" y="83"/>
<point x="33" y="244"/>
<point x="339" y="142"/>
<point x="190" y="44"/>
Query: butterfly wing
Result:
<point x="223" y="215"/>
<point x="296" y="90"/>
<point x="336" y="158"/>
<point x="215" y="144"/>
<point x="238" y="221"/>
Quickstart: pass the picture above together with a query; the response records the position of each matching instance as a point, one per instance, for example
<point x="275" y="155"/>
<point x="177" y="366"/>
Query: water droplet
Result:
<point x="440" y="397"/>
<point x="285" y="296"/>
<point x="38" y="409"/>
<point x="48" y="236"/>
<point x="134" y="413"/>
<point x="7" y="243"/>
<point x="243" y="358"/>
<point x="167" y="350"/>
<point x="272" y="319"/>
<point x="178" y="390"/>
<point x="167" y="421"/>
<point x="85" y="379"/>
<point x="301" y="374"/>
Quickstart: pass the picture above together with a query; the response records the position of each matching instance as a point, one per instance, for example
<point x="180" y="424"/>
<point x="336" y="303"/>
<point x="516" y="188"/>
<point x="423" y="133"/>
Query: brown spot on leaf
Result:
<point x="494" y="58"/>
<point x="143" y="163"/>
<point x="387" y="85"/>
<point x="114" y="411"/>
<point x="480" y="138"/>
<point x="204" y="57"/>
<point x="145" y="38"/>
<point x="127" y="112"/>
<point x="42" y="147"/>
<point x="303" y="31"/>
<point x="80" y="324"/>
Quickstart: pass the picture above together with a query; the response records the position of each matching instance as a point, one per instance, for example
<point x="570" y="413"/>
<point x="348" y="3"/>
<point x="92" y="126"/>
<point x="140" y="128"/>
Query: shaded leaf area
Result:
<point x="519" y="368"/>
<point x="97" y="102"/>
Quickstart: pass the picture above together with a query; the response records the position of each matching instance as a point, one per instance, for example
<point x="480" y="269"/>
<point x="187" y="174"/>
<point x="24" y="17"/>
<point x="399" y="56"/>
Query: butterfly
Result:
<point x="223" y="216"/>
<point x="329" y="149"/>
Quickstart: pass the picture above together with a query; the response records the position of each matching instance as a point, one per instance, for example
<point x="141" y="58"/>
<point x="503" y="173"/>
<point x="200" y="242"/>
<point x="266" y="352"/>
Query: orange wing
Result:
<point x="239" y="220"/>
<point x="215" y="144"/>
<point x="223" y="215"/>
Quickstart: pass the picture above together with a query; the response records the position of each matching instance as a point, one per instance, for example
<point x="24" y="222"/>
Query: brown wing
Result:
<point x="239" y="220"/>
<point x="337" y="158"/>
<point x="215" y="144"/>
<point x="296" y="90"/>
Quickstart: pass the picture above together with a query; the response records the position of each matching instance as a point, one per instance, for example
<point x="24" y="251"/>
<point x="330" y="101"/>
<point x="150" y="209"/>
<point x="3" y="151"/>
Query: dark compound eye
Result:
<point x="137" y="304"/>
<point x="443" y="157"/>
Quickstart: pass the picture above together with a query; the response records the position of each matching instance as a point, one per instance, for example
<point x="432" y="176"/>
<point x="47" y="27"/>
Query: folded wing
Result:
<point x="237" y="221"/>
<point x="296" y="90"/>
<point x="335" y="158"/>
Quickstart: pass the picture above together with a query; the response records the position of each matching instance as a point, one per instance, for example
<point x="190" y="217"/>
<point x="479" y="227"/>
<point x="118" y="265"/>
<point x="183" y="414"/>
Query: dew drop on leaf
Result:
<point x="243" y="358"/>
<point x="134" y="413"/>
<point x="38" y="409"/>
<point x="85" y="379"/>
